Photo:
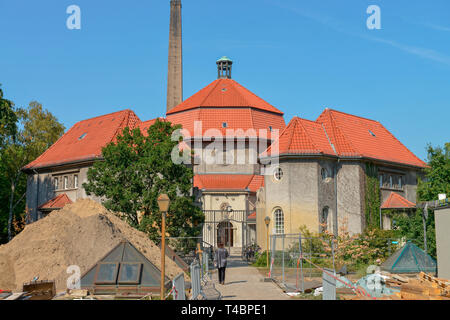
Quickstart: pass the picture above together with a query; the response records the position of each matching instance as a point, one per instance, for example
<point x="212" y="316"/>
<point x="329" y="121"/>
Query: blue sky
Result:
<point x="301" y="56"/>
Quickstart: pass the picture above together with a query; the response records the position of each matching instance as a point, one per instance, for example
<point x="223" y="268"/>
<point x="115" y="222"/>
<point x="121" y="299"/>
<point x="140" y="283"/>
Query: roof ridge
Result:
<point x="104" y="115"/>
<point x="308" y="135"/>
<point x="241" y="87"/>
<point x="269" y="148"/>
<point x="116" y="132"/>
<point x="353" y="115"/>
<point x="342" y="133"/>
<point x="389" y="132"/>
<point x="292" y="133"/>
<point x="210" y="91"/>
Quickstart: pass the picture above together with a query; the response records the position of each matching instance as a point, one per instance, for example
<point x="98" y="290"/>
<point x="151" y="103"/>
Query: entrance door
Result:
<point x="225" y="233"/>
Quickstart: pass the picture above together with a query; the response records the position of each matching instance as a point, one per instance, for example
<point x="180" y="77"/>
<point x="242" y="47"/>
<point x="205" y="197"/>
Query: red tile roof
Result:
<point x="343" y="135"/>
<point x="235" y="182"/>
<point x="224" y="93"/>
<point x="252" y="216"/>
<point x="85" y="140"/>
<point x="57" y="202"/>
<point x="240" y="122"/>
<point x="353" y="136"/>
<point x="301" y="137"/>
<point x="396" y="201"/>
<point x="256" y="183"/>
<point x="144" y="125"/>
<point x="226" y="101"/>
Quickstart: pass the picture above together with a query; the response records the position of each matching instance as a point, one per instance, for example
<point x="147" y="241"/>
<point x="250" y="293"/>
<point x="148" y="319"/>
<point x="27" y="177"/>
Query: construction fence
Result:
<point x="297" y="262"/>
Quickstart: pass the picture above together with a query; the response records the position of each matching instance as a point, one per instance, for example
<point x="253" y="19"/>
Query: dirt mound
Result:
<point x="80" y="234"/>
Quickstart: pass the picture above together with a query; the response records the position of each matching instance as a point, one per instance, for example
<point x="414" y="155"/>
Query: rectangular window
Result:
<point x="106" y="273"/>
<point x="130" y="273"/>
<point x="400" y="183"/>
<point x="75" y="181"/>
<point x="66" y="182"/>
<point x="56" y="183"/>
<point x="381" y="181"/>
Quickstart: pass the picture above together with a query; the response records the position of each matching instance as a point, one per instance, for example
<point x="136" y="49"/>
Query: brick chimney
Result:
<point x="175" y="74"/>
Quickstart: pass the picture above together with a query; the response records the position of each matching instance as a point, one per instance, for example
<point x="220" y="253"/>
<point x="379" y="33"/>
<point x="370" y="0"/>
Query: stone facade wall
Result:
<point x="350" y="196"/>
<point x="40" y="187"/>
<point x="244" y="156"/>
<point x="295" y="194"/>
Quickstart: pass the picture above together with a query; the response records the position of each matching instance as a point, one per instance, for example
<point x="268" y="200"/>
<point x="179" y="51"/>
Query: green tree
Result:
<point x="437" y="180"/>
<point x="37" y="130"/>
<point x="8" y="119"/>
<point x="136" y="169"/>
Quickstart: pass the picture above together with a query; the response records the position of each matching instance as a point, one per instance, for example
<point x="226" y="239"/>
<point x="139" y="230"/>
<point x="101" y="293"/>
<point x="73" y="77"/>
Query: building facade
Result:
<point x="248" y="164"/>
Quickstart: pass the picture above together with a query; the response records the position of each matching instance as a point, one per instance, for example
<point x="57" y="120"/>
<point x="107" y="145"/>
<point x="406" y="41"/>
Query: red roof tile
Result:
<point x="301" y="137"/>
<point x="144" y="125"/>
<point x="353" y="136"/>
<point x="237" y="182"/>
<point x="56" y="203"/>
<point x="256" y="183"/>
<point x="85" y="140"/>
<point x="226" y="101"/>
<point x="224" y="93"/>
<point x="343" y="135"/>
<point x="396" y="201"/>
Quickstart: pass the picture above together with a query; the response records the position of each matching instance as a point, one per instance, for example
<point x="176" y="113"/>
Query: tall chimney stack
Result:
<point x="175" y="74"/>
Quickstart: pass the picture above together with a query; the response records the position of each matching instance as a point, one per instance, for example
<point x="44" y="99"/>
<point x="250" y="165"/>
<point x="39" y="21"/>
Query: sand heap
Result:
<point x="80" y="234"/>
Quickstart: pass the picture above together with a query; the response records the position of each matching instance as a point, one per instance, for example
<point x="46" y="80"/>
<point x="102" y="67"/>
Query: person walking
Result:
<point x="220" y="261"/>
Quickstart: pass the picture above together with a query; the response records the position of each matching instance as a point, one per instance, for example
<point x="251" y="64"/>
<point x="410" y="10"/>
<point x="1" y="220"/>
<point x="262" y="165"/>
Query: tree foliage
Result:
<point x="136" y="169"/>
<point x="34" y="130"/>
<point x="437" y="180"/>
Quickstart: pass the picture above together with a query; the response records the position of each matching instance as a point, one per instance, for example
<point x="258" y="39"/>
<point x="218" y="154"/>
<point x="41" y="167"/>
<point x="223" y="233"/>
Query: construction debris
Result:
<point x="421" y="287"/>
<point x="80" y="234"/>
<point x="39" y="290"/>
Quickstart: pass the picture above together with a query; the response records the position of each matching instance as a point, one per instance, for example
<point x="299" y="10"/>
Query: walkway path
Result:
<point x="243" y="282"/>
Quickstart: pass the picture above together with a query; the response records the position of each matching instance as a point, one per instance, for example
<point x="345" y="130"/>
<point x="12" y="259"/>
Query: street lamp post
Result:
<point x="267" y="222"/>
<point x="163" y="204"/>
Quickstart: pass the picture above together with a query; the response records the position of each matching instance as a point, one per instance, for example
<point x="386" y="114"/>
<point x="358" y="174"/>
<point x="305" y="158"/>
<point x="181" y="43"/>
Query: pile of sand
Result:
<point x="80" y="234"/>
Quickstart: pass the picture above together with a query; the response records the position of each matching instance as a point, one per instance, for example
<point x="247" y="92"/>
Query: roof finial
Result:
<point x="224" y="68"/>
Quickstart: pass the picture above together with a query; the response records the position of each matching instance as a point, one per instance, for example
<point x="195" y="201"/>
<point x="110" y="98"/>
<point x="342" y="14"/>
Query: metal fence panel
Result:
<point x="195" y="280"/>
<point x="179" y="292"/>
<point x="329" y="285"/>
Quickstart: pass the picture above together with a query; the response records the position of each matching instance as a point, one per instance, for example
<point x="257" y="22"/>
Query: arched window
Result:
<point x="278" y="174"/>
<point x="324" y="173"/>
<point x="278" y="217"/>
<point x="324" y="219"/>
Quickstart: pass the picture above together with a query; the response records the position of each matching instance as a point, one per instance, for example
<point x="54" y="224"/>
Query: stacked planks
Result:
<point x="422" y="287"/>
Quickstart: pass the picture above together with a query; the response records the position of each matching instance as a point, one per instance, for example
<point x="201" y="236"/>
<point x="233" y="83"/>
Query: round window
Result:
<point x="278" y="174"/>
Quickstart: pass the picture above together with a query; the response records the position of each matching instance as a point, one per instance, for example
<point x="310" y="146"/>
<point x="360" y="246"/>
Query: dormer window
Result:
<point x="82" y="136"/>
<point x="224" y="125"/>
<point x="373" y="134"/>
<point x="270" y="128"/>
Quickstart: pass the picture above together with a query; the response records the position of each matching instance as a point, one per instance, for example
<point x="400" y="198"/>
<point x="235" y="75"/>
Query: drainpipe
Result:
<point x="336" y="229"/>
<point x="37" y="194"/>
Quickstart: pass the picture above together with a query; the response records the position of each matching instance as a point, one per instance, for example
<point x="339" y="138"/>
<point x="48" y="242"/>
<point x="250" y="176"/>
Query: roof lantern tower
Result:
<point x="224" y="68"/>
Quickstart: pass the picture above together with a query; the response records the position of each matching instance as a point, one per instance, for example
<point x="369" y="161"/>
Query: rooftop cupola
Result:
<point x="224" y="68"/>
